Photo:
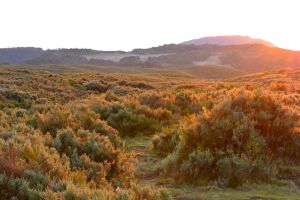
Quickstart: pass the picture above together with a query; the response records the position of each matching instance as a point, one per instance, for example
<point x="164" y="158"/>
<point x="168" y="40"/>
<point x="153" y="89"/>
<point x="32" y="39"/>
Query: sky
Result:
<point x="129" y="24"/>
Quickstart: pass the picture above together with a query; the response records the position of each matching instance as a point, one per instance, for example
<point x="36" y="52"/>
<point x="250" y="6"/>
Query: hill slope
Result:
<point x="244" y="57"/>
<point x="227" y="40"/>
<point x="249" y="57"/>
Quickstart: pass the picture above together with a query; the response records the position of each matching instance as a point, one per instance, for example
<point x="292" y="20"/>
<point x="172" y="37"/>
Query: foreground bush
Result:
<point x="238" y="141"/>
<point x="73" y="165"/>
<point x="165" y="142"/>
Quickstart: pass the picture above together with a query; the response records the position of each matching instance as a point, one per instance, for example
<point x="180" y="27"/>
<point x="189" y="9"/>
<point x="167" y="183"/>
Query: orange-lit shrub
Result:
<point x="239" y="140"/>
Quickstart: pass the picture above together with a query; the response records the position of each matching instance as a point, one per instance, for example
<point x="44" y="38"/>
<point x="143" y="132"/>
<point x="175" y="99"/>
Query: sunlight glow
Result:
<point x="128" y="24"/>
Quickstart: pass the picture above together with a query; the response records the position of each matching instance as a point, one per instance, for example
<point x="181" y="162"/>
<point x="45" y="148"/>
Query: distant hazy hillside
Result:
<point x="19" y="55"/>
<point x="243" y="57"/>
<point x="227" y="40"/>
<point x="250" y="57"/>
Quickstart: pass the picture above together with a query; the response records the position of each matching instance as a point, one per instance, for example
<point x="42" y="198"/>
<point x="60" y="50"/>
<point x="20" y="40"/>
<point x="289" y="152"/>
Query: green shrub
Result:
<point x="97" y="147"/>
<point x="96" y="86"/>
<point x="130" y="124"/>
<point x="165" y="142"/>
<point x="234" y="171"/>
<point x="187" y="102"/>
<point x="71" y="196"/>
<point x="1" y="105"/>
<point x="123" y="195"/>
<point x="140" y="85"/>
<point x="94" y="154"/>
<point x="18" y="188"/>
<point x="36" y="179"/>
<point x="50" y="121"/>
<point x="158" y="100"/>
<point x="199" y="164"/>
<point x="240" y="140"/>
<point x="162" y="194"/>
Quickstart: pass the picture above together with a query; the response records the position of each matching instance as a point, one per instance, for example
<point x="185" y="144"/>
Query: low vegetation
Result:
<point x="77" y="135"/>
<point x="241" y="139"/>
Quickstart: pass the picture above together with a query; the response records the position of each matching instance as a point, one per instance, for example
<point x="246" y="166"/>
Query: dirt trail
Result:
<point x="146" y="168"/>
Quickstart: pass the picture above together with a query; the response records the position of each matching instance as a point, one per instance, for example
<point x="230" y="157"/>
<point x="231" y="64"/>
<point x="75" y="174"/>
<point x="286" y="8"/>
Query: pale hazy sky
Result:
<point x="128" y="24"/>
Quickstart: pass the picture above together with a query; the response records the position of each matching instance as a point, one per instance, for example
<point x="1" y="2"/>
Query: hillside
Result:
<point x="247" y="58"/>
<point x="19" y="55"/>
<point x="227" y="40"/>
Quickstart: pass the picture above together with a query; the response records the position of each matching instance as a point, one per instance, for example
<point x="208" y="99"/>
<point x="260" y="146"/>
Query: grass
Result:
<point x="252" y="192"/>
<point x="209" y="72"/>
<point x="147" y="160"/>
<point x="146" y="165"/>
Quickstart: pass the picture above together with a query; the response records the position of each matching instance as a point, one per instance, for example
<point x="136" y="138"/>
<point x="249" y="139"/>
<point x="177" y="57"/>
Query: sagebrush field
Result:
<point x="82" y="136"/>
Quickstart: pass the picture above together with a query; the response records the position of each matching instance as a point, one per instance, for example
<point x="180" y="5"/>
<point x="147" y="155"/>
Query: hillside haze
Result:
<point x="228" y="40"/>
<point x="229" y="55"/>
